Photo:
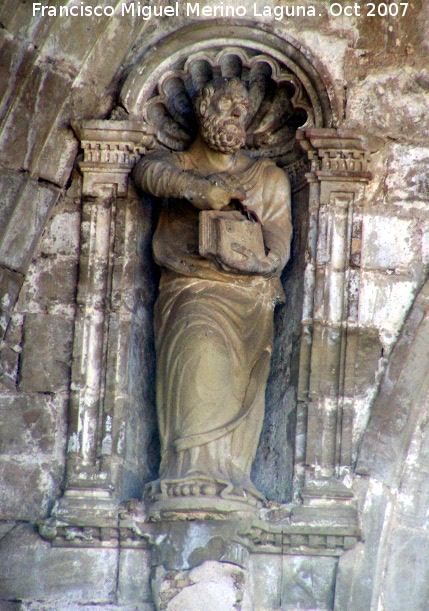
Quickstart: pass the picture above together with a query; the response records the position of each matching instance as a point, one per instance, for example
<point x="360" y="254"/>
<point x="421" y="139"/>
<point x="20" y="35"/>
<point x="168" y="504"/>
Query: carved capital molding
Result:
<point x="111" y="149"/>
<point x="339" y="154"/>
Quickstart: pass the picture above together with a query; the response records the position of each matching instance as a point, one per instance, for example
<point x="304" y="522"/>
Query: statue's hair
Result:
<point x="221" y="83"/>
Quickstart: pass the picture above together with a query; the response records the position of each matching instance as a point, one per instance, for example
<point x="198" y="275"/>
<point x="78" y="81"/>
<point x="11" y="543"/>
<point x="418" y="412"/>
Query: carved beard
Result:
<point x="224" y="135"/>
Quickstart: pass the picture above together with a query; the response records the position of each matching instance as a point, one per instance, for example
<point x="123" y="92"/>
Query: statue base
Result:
<point x="182" y="545"/>
<point x="199" y="508"/>
<point x="200" y="498"/>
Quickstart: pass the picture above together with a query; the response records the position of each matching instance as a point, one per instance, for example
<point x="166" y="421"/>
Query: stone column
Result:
<point x="337" y="180"/>
<point x="89" y="501"/>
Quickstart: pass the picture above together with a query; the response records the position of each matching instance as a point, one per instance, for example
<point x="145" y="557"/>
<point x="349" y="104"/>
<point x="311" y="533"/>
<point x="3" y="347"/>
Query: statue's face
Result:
<point x="223" y="118"/>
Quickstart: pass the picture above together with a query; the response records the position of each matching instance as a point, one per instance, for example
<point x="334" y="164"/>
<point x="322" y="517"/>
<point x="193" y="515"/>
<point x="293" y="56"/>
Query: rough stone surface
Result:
<point x="23" y="216"/>
<point x="51" y="373"/>
<point x="66" y="606"/>
<point x="407" y="562"/>
<point x="308" y="583"/>
<point x="213" y="586"/>
<point x="32" y="424"/>
<point x="10" y="285"/>
<point x="32" y="448"/>
<point x="266" y="580"/>
<point x="86" y="575"/>
<point x="345" y="597"/>
<point x="133" y="587"/>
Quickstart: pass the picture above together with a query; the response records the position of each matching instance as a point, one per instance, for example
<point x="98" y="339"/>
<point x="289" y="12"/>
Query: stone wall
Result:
<point x="57" y="69"/>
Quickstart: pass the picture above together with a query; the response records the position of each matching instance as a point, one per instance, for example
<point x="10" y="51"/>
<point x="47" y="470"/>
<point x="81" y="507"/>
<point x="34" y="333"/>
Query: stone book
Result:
<point x="221" y="231"/>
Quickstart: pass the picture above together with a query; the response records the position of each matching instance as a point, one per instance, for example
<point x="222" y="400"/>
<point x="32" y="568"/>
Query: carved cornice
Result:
<point x="111" y="149"/>
<point x="338" y="154"/>
<point x="292" y="535"/>
<point x="305" y="541"/>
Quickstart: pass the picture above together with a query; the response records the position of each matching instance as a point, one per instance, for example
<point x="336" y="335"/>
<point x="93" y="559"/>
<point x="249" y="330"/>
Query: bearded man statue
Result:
<point x="214" y="314"/>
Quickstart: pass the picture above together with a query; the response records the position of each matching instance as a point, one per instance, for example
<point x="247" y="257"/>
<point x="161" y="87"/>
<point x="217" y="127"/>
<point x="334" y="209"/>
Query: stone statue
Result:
<point x="222" y="241"/>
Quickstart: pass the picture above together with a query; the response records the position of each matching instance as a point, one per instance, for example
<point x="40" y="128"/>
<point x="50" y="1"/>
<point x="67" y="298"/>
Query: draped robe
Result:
<point x="213" y="329"/>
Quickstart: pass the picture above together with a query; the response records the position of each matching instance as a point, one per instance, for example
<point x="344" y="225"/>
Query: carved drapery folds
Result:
<point x="283" y="83"/>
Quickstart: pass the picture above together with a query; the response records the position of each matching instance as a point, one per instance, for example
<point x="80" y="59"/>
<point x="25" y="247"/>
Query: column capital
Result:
<point x="339" y="154"/>
<point x="111" y="149"/>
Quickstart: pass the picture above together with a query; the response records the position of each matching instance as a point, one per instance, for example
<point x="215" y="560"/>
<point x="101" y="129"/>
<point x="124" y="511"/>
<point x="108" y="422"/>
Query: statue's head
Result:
<point x="221" y="107"/>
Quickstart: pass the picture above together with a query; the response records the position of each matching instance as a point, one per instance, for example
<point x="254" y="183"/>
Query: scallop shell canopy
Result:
<point x="278" y="104"/>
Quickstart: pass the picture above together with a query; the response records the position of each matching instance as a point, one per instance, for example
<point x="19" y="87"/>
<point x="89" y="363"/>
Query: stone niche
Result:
<point x="304" y="461"/>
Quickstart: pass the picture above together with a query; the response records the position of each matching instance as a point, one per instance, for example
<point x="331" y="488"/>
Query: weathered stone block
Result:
<point x="265" y="580"/>
<point x="406" y="585"/>
<point x="348" y="571"/>
<point x="50" y="372"/>
<point x="9" y="364"/>
<point x="360" y="372"/>
<point x="61" y="236"/>
<point x="32" y="424"/>
<point x="72" y="49"/>
<point x="22" y="217"/>
<point x="114" y="39"/>
<point x="50" y="286"/>
<point x="374" y="509"/>
<point x="10" y="606"/>
<point x="29" y="486"/>
<point x="36" y="571"/>
<point x="394" y="411"/>
<point x="134" y="576"/>
<point x="10" y="352"/>
<point x="383" y="303"/>
<point x="28" y="129"/>
<point x="55" y="161"/>
<point x="385" y="103"/>
<point x="16" y="61"/>
<point x="413" y="499"/>
<point x="10" y="285"/>
<point x="389" y="243"/>
<point x="16" y="18"/>
<point x="5" y="527"/>
<point x="213" y="586"/>
<point x="407" y="179"/>
<point x="12" y="183"/>
<point x="308" y="582"/>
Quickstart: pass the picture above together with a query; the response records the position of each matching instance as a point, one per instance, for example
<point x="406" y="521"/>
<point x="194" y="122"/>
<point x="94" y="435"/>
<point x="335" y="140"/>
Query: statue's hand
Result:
<point x="212" y="193"/>
<point x="251" y="263"/>
<point x="219" y="196"/>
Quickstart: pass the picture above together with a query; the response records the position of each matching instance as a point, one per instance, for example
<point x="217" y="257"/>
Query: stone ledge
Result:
<point x="327" y="534"/>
